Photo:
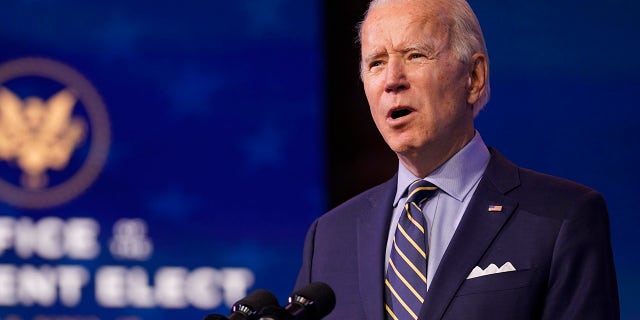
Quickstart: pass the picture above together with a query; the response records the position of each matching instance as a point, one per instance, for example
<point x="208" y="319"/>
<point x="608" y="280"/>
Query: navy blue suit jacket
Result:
<point x="554" y="232"/>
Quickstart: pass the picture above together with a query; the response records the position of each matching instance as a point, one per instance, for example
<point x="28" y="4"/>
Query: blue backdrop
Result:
<point x="564" y="82"/>
<point x="214" y="157"/>
<point x="214" y="167"/>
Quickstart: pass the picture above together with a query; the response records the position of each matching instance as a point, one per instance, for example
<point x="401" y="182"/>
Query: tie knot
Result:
<point x="420" y="191"/>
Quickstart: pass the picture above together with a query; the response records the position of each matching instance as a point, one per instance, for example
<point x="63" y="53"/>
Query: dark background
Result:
<point x="208" y="98"/>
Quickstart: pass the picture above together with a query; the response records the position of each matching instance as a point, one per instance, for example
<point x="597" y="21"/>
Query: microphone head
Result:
<point x="253" y="303"/>
<point x="317" y="298"/>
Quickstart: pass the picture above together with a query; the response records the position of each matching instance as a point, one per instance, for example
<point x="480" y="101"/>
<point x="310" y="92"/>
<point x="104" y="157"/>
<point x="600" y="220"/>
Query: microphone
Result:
<point x="312" y="302"/>
<point x="248" y="307"/>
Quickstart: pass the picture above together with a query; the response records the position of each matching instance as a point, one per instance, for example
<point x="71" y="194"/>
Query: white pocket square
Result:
<point x="491" y="269"/>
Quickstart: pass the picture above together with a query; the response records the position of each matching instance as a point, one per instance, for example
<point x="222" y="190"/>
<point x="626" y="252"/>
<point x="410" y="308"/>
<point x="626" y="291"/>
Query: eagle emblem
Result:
<point x="39" y="135"/>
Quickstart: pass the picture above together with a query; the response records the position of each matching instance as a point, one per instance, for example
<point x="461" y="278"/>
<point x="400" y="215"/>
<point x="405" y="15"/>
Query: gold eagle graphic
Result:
<point x="39" y="135"/>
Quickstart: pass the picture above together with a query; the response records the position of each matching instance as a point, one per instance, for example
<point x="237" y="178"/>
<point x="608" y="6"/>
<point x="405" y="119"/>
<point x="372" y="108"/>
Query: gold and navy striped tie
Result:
<point x="406" y="281"/>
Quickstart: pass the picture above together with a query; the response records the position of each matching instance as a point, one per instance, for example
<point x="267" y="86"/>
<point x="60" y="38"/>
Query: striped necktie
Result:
<point x="406" y="281"/>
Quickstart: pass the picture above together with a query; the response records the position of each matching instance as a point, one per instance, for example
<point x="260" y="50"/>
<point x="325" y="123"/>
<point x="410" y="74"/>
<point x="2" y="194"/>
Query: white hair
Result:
<point x="465" y="33"/>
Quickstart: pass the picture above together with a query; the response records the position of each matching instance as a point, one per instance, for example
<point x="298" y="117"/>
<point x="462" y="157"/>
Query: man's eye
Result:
<point x="416" y="56"/>
<point x="375" y="64"/>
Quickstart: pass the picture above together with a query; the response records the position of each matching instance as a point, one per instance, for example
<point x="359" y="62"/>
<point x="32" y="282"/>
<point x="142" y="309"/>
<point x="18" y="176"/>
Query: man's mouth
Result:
<point x="399" y="113"/>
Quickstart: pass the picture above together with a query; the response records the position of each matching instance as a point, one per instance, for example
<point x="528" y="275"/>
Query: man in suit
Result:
<point x="497" y="241"/>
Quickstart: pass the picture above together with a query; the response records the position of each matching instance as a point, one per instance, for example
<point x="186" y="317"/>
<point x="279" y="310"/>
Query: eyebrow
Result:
<point x="414" y="47"/>
<point x="420" y="47"/>
<point x="374" y="56"/>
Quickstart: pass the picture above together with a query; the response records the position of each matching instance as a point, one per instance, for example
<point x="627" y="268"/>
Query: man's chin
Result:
<point x="406" y="142"/>
<point x="406" y="150"/>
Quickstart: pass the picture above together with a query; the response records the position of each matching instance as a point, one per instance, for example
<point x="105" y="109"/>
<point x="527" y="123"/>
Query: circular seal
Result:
<point x="40" y="134"/>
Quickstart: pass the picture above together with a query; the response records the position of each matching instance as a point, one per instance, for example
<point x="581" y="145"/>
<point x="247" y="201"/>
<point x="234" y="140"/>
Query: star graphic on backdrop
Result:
<point x="264" y="147"/>
<point x="172" y="203"/>
<point x="119" y="40"/>
<point x="191" y="92"/>
<point x="265" y="16"/>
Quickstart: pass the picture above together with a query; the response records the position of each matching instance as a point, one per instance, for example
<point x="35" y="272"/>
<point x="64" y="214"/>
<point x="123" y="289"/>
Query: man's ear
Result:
<point x="477" y="77"/>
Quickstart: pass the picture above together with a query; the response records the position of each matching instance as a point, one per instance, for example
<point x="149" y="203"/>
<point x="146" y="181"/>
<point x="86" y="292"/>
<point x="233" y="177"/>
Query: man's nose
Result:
<point x="396" y="78"/>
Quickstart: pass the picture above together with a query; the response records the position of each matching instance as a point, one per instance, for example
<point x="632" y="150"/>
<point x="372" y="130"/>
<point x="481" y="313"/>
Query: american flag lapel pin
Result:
<point x="495" y="208"/>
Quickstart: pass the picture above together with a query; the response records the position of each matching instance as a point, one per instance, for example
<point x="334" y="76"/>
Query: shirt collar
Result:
<point x="456" y="176"/>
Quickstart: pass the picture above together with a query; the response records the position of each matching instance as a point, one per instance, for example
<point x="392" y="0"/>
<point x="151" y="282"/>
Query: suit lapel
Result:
<point x="474" y="234"/>
<point x="372" y="229"/>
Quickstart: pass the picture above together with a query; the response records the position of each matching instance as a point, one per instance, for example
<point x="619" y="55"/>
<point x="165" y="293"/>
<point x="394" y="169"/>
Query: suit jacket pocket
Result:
<point x="496" y="282"/>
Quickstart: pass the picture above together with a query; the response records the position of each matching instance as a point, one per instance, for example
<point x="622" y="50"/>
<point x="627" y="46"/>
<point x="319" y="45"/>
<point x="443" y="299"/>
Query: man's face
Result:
<point x="417" y="89"/>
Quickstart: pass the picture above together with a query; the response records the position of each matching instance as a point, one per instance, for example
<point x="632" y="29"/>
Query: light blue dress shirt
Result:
<point x="457" y="180"/>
